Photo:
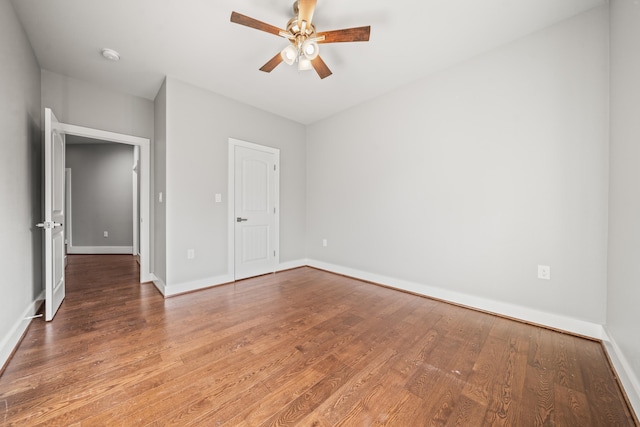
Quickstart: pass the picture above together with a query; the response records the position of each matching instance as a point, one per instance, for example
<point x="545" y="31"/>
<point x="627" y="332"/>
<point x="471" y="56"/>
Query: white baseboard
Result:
<point x="12" y="339"/>
<point x="208" y="282"/>
<point x="194" y="285"/>
<point x="289" y="265"/>
<point x="630" y="382"/>
<point x="101" y="250"/>
<point x="145" y="278"/>
<point x="158" y="283"/>
<point x="526" y="314"/>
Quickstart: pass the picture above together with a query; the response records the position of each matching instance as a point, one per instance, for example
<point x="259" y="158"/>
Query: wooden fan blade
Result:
<point x="320" y="67"/>
<point x="305" y="11"/>
<point x="359" y="34"/>
<point x="272" y="63"/>
<point x="241" y="19"/>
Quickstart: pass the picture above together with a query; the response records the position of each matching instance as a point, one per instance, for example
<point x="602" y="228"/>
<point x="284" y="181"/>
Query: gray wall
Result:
<point x="199" y="125"/>
<point x="101" y="193"/>
<point x="20" y="179"/>
<point x="623" y="296"/>
<point x="159" y="165"/>
<point x="468" y="179"/>
<point x="84" y="104"/>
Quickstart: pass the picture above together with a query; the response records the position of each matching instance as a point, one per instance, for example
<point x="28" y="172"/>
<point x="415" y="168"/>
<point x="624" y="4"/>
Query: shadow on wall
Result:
<point x="35" y="166"/>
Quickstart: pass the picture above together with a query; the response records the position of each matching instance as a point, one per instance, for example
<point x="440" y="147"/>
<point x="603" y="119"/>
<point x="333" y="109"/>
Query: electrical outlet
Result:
<point x="106" y="234"/>
<point x="191" y="253"/>
<point x="544" y="272"/>
<point x="324" y="243"/>
<point x="218" y="198"/>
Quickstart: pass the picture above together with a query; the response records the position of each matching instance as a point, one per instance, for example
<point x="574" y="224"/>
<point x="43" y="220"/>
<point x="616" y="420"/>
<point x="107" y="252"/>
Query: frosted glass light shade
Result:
<point x="304" y="64"/>
<point x="289" y="54"/>
<point x="310" y="49"/>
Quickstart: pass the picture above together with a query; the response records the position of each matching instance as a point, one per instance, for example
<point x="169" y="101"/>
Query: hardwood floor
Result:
<point x="301" y="347"/>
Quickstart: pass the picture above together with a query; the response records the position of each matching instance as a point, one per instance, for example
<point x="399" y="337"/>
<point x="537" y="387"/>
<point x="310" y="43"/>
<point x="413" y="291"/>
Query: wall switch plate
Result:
<point x="324" y="243"/>
<point x="544" y="272"/>
<point x="160" y="197"/>
<point x="191" y="253"/>
<point x="218" y="197"/>
<point x="106" y="234"/>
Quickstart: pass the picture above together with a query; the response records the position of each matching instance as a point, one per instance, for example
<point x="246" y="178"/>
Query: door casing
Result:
<point x="145" y="185"/>
<point x="231" y="200"/>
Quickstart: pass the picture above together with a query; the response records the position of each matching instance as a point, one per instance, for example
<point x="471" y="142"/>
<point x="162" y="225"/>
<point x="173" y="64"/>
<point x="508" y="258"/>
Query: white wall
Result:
<point x="102" y="196"/>
<point x="462" y="183"/>
<point x="623" y="297"/>
<point x="199" y="125"/>
<point x="20" y="178"/>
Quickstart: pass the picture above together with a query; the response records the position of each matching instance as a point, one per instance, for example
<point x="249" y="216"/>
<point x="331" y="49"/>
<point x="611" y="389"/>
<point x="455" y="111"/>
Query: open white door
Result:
<point x="256" y="200"/>
<point x="54" y="207"/>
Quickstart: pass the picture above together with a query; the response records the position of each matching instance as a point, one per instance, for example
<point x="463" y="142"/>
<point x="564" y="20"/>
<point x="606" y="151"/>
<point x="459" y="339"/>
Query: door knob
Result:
<point x="49" y="225"/>
<point x="238" y="219"/>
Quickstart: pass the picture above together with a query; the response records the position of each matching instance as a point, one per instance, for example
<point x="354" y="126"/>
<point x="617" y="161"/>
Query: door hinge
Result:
<point x="274" y="168"/>
<point x="274" y="253"/>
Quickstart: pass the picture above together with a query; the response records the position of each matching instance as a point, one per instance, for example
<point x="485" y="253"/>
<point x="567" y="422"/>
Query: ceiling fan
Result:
<point x="301" y="32"/>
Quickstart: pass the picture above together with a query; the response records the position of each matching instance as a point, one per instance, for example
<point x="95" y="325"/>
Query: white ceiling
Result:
<point x="194" y="41"/>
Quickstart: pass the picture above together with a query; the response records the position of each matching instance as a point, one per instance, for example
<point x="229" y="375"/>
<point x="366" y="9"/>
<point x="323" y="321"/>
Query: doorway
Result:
<point x="143" y="170"/>
<point x="102" y="197"/>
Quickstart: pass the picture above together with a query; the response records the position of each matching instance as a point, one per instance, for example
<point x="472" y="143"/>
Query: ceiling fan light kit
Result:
<point x="304" y="41"/>
<point x="289" y="55"/>
<point x="304" y="64"/>
<point x="310" y="49"/>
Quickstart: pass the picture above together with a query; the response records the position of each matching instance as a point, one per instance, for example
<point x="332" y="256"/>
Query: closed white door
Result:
<point x="54" y="207"/>
<point x="255" y="194"/>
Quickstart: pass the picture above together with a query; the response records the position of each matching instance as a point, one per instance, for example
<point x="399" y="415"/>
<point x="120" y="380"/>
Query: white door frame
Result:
<point x="145" y="183"/>
<point x="136" y="198"/>
<point x="233" y="143"/>
<point x="67" y="214"/>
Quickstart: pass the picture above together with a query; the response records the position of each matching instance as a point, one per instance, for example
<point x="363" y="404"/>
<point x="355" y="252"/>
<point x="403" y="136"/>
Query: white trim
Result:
<point x="194" y="285"/>
<point x="74" y="250"/>
<point x="623" y="368"/>
<point x="231" y="201"/>
<point x="10" y="341"/>
<point x="209" y="282"/>
<point x="103" y="135"/>
<point x="136" y="198"/>
<point x="159" y="284"/>
<point x="67" y="212"/>
<point x="526" y="314"/>
<point x="145" y="185"/>
<point x="289" y="265"/>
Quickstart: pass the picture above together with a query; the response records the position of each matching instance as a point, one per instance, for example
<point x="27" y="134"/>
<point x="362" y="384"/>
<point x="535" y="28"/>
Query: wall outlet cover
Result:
<point x="544" y="272"/>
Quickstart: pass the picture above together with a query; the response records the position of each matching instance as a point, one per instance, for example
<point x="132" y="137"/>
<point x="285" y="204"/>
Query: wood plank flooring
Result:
<point x="301" y="347"/>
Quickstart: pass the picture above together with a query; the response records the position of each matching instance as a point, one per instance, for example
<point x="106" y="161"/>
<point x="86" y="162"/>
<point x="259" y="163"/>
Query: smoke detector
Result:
<point x="110" y="54"/>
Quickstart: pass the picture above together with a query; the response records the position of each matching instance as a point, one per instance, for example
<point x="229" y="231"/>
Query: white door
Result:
<point x="256" y="198"/>
<point x="54" y="207"/>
